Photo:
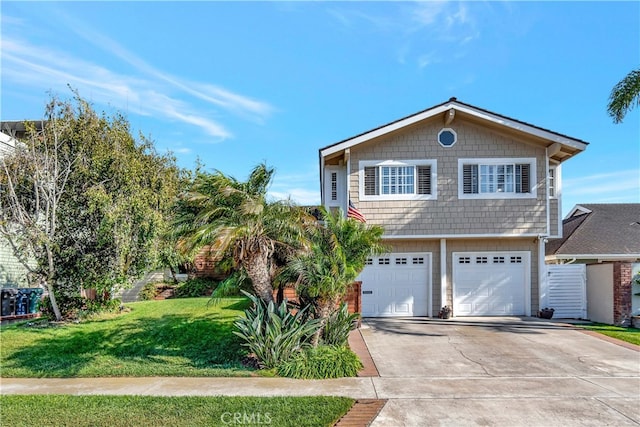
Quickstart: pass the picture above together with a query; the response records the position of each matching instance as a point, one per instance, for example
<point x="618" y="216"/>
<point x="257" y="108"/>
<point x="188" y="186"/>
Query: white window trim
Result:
<point x="555" y="168"/>
<point x="455" y="137"/>
<point x="499" y="161"/>
<point x="369" y="163"/>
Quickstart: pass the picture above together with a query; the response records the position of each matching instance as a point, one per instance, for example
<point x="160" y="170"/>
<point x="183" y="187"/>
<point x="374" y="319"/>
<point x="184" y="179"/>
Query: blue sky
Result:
<point x="235" y="84"/>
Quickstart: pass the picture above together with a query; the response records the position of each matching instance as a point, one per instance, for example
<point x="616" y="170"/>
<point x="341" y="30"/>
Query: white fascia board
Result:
<point x="385" y="130"/>
<point x="512" y="124"/>
<point x="578" y="208"/>
<point x="523" y="127"/>
<point x="458" y="236"/>
<point x="596" y="257"/>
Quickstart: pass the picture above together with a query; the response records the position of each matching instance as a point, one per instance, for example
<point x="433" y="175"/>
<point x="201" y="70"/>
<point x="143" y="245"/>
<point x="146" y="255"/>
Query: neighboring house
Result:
<point x="12" y="272"/>
<point x="467" y="198"/>
<point x="605" y="237"/>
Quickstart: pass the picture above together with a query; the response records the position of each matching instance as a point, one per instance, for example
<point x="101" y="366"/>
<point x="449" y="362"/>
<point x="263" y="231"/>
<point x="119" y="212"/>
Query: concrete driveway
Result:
<point x="500" y="372"/>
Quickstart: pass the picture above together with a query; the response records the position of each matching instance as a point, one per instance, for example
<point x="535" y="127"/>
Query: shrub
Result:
<point x="148" y="292"/>
<point x="339" y="324"/>
<point x="321" y="362"/>
<point x="272" y="333"/>
<point x="194" y="288"/>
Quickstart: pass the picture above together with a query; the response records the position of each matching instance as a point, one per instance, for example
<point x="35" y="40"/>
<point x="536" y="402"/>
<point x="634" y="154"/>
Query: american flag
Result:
<point x="354" y="213"/>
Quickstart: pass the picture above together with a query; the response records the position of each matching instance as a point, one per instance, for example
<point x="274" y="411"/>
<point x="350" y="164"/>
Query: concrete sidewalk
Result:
<point x="504" y="401"/>
<point x="358" y="388"/>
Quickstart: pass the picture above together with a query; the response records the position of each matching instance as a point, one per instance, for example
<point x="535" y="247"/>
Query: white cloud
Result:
<point x="181" y="150"/>
<point x="619" y="185"/>
<point x="441" y="25"/>
<point x="300" y="196"/>
<point x="303" y="189"/>
<point x="209" y="93"/>
<point x="146" y="90"/>
<point x="613" y="187"/>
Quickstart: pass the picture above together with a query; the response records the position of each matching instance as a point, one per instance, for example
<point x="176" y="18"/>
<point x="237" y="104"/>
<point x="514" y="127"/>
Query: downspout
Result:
<point x="347" y="157"/>
<point x="322" y="177"/>
<point x="546" y="191"/>
<point x="558" y="179"/>
<point x="443" y="273"/>
<point x="543" y="282"/>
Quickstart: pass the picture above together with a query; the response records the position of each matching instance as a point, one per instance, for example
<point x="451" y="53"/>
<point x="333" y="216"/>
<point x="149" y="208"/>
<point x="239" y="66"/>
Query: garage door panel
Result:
<point x="403" y="309"/>
<point x="396" y="285"/>
<point x="490" y="284"/>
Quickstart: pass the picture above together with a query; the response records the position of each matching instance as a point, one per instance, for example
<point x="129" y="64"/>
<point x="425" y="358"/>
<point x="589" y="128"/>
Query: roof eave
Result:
<point x="570" y="146"/>
<point x="595" y="257"/>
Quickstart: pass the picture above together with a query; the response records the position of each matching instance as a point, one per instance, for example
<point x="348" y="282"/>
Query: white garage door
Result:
<point x="490" y="283"/>
<point x="396" y="285"/>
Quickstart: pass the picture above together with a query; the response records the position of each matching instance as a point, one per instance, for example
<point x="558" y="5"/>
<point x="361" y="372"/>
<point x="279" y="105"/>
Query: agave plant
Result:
<point x="273" y="333"/>
<point x="339" y="324"/>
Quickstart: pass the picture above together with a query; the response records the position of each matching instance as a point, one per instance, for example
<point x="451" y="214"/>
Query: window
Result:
<point x="334" y="186"/>
<point x="447" y="137"/>
<point x="496" y="178"/>
<point x="552" y="181"/>
<point x="398" y="180"/>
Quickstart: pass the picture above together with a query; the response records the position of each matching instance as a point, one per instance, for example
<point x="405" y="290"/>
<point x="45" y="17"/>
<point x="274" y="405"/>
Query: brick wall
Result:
<point x="353" y="297"/>
<point x="204" y="265"/>
<point x="622" y="292"/>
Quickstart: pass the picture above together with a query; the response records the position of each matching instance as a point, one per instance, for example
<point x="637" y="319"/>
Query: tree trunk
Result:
<point x="50" y="279"/>
<point x="325" y="308"/>
<point x="257" y="268"/>
<point x="54" y="304"/>
<point x="173" y="275"/>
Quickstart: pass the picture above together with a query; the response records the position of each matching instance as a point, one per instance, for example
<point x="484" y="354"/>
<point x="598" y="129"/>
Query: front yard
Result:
<point x="630" y="335"/>
<point x="178" y="337"/>
<point x="126" y="411"/>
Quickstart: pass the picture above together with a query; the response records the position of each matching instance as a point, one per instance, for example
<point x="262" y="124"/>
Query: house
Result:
<point x="606" y="238"/>
<point x="467" y="198"/>
<point x="12" y="271"/>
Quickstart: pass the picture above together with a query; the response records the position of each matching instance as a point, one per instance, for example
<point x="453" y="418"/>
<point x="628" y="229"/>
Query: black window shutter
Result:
<point x="371" y="181"/>
<point x="470" y="179"/>
<point x="424" y="179"/>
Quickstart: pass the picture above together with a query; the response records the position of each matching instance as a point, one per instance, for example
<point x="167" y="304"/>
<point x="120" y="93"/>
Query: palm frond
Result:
<point x="624" y="96"/>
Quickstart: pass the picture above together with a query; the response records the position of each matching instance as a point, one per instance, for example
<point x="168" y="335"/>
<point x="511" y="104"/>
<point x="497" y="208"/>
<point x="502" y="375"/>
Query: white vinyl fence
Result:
<point x="566" y="291"/>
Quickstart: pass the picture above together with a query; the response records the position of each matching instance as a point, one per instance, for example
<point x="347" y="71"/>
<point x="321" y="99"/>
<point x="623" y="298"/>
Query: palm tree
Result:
<point x="235" y="219"/>
<point x="338" y="253"/>
<point x="624" y="96"/>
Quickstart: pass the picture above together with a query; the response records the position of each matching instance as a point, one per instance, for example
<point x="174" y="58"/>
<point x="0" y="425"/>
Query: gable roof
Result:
<point x="567" y="146"/>
<point x="599" y="231"/>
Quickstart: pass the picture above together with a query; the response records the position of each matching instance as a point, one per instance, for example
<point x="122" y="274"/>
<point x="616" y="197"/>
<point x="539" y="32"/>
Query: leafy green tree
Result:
<point x="235" y="218"/>
<point x="86" y="199"/>
<point x="338" y="253"/>
<point x="624" y="96"/>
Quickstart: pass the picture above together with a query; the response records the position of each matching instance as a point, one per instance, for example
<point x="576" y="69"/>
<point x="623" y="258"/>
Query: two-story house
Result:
<point x="467" y="198"/>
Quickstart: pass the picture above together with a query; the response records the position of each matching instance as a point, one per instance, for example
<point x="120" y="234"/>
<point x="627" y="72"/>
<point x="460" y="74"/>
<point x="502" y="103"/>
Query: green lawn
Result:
<point x="631" y="335"/>
<point x="176" y="337"/>
<point x="126" y="411"/>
